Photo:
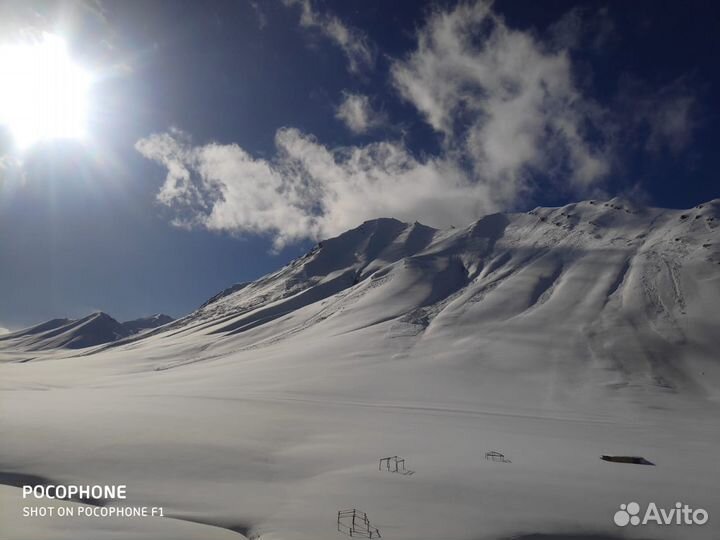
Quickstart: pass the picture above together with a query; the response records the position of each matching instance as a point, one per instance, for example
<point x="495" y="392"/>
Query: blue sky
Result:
<point x="225" y="138"/>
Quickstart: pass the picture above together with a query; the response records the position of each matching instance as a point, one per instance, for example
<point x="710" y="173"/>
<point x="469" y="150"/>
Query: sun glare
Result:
<point x="43" y="94"/>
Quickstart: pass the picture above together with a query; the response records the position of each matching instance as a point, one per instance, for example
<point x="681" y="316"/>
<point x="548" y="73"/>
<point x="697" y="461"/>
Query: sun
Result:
<point x="43" y="94"/>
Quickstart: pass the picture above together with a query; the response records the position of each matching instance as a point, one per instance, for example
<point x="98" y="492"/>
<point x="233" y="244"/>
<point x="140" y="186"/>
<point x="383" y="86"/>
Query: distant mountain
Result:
<point x="145" y="323"/>
<point x="89" y="331"/>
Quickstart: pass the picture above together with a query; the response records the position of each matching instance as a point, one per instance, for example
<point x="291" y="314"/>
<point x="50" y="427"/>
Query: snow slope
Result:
<point x="553" y="336"/>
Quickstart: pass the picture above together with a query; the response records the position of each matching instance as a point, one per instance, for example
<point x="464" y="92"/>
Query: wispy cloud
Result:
<point x="358" y="114"/>
<point x="507" y="106"/>
<point x="353" y="42"/>
<point x="502" y="98"/>
<point x="259" y="13"/>
<point x="308" y="190"/>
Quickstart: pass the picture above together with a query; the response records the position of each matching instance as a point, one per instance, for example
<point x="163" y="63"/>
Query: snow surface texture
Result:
<point x="554" y="337"/>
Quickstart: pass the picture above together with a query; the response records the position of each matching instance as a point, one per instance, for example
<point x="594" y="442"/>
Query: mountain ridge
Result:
<point x="94" y="329"/>
<point x="627" y="288"/>
<point x="554" y="337"/>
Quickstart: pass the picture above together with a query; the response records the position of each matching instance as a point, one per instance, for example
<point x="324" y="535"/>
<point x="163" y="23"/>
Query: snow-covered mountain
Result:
<point x="553" y="336"/>
<point x="136" y="326"/>
<point x="94" y="329"/>
<point x="607" y="291"/>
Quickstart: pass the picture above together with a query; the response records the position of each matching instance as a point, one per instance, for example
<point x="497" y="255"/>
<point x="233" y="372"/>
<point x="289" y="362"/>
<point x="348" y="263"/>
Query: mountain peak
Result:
<point x="146" y="323"/>
<point x="99" y="316"/>
<point x="585" y="265"/>
<point x="94" y="329"/>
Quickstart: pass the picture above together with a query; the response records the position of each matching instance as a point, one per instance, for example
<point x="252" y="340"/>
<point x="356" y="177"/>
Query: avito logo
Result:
<point x="681" y="514"/>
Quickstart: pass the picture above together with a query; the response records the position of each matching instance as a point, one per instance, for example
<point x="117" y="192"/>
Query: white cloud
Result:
<point x="259" y="13"/>
<point x="4" y="331"/>
<point x="507" y="108"/>
<point x="308" y="190"/>
<point x="101" y="45"/>
<point x="353" y="42"/>
<point x="358" y="114"/>
<point x="506" y="105"/>
<point x="502" y="98"/>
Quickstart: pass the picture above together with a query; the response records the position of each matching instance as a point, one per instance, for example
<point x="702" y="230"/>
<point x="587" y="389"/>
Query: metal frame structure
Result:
<point x="396" y="461"/>
<point x="356" y="523"/>
<point x="494" y="455"/>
